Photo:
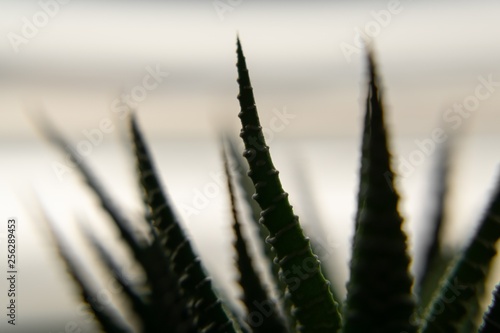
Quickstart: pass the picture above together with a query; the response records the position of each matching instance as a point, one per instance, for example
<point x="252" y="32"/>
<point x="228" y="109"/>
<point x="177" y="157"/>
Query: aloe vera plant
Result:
<point x="380" y="295"/>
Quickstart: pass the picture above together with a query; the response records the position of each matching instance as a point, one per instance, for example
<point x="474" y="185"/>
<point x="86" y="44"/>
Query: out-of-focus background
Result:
<point x="175" y="63"/>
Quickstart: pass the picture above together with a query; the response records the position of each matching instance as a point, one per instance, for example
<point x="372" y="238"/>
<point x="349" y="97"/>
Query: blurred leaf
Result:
<point x="363" y="170"/>
<point x="124" y="226"/>
<point x="436" y="258"/>
<point x="165" y="294"/>
<point x="139" y="305"/>
<point x="106" y="315"/>
<point x="459" y="292"/>
<point x="491" y="319"/>
<point x="379" y="295"/>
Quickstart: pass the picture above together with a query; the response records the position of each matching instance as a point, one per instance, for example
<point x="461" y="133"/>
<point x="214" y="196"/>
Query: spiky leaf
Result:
<point x="193" y="281"/>
<point x="379" y="297"/>
<point x="248" y="191"/>
<point x="165" y="294"/>
<point x="255" y="296"/>
<point x="436" y="258"/>
<point x="315" y="308"/>
<point x="52" y="134"/>
<point x="459" y="292"/>
<point x="137" y="301"/>
<point x="105" y="315"/>
<point x="363" y="174"/>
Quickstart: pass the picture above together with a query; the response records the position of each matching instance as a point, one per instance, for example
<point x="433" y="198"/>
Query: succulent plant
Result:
<point x="177" y="294"/>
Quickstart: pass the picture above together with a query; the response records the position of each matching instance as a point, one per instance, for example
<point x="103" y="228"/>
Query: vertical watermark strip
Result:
<point x="12" y="271"/>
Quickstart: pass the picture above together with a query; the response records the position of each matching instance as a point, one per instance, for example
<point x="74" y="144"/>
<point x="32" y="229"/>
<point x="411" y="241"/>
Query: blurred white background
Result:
<point x="76" y="62"/>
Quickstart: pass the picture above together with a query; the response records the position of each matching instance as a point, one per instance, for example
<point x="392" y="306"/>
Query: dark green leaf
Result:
<point x="459" y="292"/>
<point x="436" y="258"/>
<point x="363" y="174"/>
<point x="255" y="297"/>
<point x="379" y="296"/>
<point x="193" y="282"/>
<point x="248" y="191"/>
<point x="165" y="294"/>
<point x="124" y="226"/>
<point x="137" y="301"/>
<point x="491" y="319"/>
<point x="314" y="306"/>
<point x="106" y="315"/>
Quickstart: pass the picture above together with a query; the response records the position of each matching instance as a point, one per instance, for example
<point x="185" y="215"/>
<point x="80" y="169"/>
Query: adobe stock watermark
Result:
<point x="293" y="278"/>
<point x="454" y="116"/>
<point x="202" y="197"/>
<point x="31" y="27"/>
<point x="120" y="106"/>
<point x="371" y="29"/>
<point x="222" y="7"/>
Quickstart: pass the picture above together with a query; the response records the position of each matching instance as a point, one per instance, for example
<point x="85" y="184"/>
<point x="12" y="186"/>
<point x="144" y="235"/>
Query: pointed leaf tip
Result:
<point x="314" y="307"/>
<point x="380" y="282"/>
<point x="371" y="63"/>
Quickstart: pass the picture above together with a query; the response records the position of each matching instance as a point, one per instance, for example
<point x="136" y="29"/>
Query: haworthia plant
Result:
<point x="315" y="308"/>
<point x="379" y="292"/>
<point x="177" y="295"/>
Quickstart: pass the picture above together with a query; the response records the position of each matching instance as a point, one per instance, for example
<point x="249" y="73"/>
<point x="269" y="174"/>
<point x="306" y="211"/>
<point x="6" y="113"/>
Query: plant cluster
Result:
<point x="177" y="294"/>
